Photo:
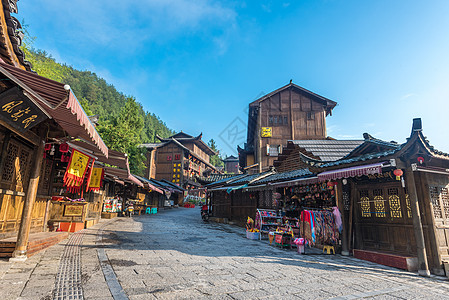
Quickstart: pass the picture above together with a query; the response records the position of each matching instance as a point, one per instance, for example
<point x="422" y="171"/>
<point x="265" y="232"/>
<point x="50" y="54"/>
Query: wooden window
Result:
<point x="365" y="206"/>
<point x="8" y="168"/>
<point x="409" y="208"/>
<point x="44" y="181"/>
<point x="280" y="120"/>
<point x="285" y="120"/>
<point x="445" y="201"/>
<point x="275" y="120"/>
<point x="395" y="203"/>
<point x="270" y="120"/>
<point x="310" y="115"/>
<point x="379" y="204"/>
<point x="435" y="201"/>
<point x="17" y="166"/>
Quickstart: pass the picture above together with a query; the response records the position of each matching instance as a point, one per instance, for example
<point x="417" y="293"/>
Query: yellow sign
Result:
<point x="73" y="210"/>
<point x="95" y="179"/>
<point x="266" y="132"/>
<point x="78" y="164"/>
<point x="140" y="197"/>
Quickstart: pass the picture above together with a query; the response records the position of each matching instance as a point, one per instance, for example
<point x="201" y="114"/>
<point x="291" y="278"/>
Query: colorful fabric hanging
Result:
<point x="76" y="171"/>
<point x="96" y="179"/>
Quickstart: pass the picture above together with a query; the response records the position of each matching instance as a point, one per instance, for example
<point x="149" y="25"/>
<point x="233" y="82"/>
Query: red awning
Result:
<point x="123" y="175"/>
<point x="60" y="104"/>
<point x="351" y="172"/>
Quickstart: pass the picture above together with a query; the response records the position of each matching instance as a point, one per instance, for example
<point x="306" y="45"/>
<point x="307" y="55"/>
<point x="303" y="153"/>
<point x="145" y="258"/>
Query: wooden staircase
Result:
<point x="36" y="243"/>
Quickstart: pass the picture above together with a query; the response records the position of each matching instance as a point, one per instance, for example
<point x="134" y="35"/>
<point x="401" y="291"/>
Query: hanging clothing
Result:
<point x="338" y="221"/>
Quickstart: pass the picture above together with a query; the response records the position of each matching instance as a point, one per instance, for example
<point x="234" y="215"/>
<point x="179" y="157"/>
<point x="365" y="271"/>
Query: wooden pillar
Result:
<point x="423" y="267"/>
<point x="20" y="253"/>
<point x="259" y="139"/>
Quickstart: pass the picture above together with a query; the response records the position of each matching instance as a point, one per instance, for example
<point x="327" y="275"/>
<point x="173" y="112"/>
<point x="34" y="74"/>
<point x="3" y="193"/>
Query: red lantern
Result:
<point x="420" y="160"/>
<point x="64" y="148"/>
<point x="398" y="173"/>
<point x="47" y="147"/>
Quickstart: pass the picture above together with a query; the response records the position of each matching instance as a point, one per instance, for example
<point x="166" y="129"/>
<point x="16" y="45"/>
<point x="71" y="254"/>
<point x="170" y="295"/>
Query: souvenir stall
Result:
<point x="77" y="198"/>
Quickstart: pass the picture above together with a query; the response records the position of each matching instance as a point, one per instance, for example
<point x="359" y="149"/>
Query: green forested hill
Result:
<point x="123" y="123"/>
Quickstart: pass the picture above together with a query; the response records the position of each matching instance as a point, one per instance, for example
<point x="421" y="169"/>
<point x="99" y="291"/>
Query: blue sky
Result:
<point x="198" y="64"/>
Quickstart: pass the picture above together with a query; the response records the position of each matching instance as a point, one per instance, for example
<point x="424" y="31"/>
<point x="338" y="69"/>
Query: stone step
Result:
<point x="409" y="263"/>
<point x="36" y="242"/>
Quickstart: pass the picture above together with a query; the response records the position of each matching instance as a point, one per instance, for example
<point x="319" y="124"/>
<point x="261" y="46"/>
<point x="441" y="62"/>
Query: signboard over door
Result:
<point x="19" y="111"/>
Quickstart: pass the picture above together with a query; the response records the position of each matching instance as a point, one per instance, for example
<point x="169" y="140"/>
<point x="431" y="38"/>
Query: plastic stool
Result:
<point x="148" y="211"/>
<point x="328" y="249"/>
<point x="154" y="210"/>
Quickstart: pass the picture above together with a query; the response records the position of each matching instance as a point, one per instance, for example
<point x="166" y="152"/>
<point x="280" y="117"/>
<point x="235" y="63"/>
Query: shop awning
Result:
<point x="60" y="104"/>
<point x="233" y="188"/>
<point x="123" y="175"/>
<point x="300" y="181"/>
<point x="149" y="184"/>
<point x="351" y="172"/>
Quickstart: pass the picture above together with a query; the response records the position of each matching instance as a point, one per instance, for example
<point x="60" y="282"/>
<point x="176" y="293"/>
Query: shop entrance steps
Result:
<point x="36" y="243"/>
<point x="409" y="263"/>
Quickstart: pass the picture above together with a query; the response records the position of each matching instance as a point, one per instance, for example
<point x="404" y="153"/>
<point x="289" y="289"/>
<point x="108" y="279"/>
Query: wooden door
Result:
<point x="384" y="219"/>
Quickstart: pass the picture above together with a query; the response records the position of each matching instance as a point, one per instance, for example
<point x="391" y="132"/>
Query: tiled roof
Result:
<point x="285" y="176"/>
<point x="225" y="180"/>
<point x="151" y="145"/>
<point x="248" y="178"/>
<point x="328" y="150"/>
<point x="215" y="177"/>
<point x="360" y="158"/>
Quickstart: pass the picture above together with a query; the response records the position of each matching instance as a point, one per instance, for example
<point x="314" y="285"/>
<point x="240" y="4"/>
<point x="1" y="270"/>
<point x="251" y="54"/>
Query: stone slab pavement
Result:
<point x="174" y="255"/>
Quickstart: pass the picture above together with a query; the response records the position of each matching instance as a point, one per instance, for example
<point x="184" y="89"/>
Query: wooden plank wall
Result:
<point x="308" y="117"/>
<point x="11" y="212"/>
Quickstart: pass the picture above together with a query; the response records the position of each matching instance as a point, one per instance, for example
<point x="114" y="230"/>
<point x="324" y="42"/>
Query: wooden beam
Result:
<point x="28" y="135"/>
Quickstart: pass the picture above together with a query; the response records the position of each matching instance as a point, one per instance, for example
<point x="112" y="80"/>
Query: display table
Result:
<point x="70" y="216"/>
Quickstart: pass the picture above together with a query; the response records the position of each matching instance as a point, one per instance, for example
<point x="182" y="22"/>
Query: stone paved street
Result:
<point x="174" y="255"/>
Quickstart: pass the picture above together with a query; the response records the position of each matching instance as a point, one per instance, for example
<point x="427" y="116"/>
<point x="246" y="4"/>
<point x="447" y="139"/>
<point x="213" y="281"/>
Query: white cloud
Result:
<point x="406" y="96"/>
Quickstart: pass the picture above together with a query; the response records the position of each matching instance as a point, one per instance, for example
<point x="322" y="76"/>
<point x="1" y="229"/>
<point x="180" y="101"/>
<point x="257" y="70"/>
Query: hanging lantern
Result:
<point x="64" y="148"/>
<point x="330" y="183"/>
<point x="398" y="173"/>
<point x="47" y="147"/>
<point x="420" y="160"/>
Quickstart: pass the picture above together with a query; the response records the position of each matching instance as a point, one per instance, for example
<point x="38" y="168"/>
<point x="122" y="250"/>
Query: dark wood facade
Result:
<point x="179" y="159"/>
<point x="289" y="113"/>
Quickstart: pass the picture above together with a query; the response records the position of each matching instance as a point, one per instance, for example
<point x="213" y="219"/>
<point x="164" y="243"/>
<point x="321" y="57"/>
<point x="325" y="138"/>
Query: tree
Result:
<point x="215" y="160"/>
<point x="123" y="134"/>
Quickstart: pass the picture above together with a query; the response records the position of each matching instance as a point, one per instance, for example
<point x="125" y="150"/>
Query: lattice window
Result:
<point x="8" y="169"/>
<point x="44" y="180"/>
<point x="379" y="206"/>
<point x="394" y="202"/>
<point x="445" y="200"/>
<point x="365" y="204"/>
<point x="378" y="192"/>
<point x="23" y="170"/>
<point x="346" y="203"/>
<point x="409" y="208"/>
<point x="435" y="200"/>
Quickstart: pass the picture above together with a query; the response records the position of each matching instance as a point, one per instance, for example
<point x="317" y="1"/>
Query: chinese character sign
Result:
<point x="76" y="170"/>
<point x="266" y="132"/>
<point x="19" y="111"/>
<point x="96" y="179"/>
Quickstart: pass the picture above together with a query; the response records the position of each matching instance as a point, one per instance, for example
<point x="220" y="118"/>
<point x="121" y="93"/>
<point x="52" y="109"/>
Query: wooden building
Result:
<point x="180" y="159"/>
<point x="231" y="164"/>
<point x="34" y="111"/>
<point x="393" y="199"/>
<point x="288" y="113"/>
